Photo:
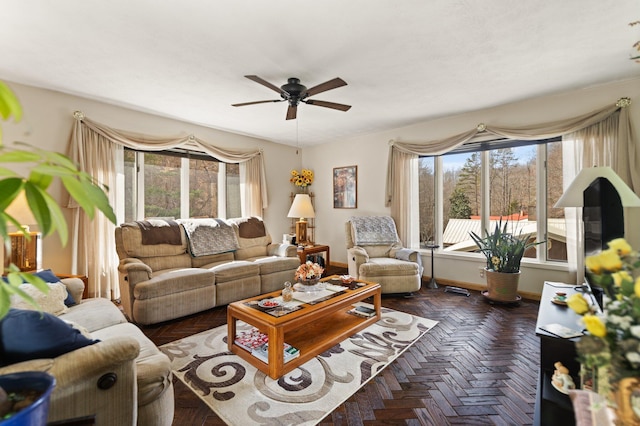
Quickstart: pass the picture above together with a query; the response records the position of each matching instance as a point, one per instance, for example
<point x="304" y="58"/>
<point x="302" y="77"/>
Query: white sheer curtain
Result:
<point x="625" y="160"/>
<point x="97" y="149"/>
<point x="592" y="146"/>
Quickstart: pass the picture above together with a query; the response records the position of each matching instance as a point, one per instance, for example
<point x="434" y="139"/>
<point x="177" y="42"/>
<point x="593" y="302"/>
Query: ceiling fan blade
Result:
<point x="333" y="105"/>
<point x="291" y="112"/>
<point x="257" y="102"/>
<point x="327" y="85"/>
<point x="264" y="83"/>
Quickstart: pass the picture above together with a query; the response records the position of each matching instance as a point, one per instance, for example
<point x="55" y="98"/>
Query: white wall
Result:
<point x="48" y="119"/>
<point x="370" y="153"/>
<point x="47" y="124"/>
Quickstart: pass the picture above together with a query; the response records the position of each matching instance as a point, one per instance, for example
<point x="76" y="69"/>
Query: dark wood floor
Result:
<point x="476" y="367"/>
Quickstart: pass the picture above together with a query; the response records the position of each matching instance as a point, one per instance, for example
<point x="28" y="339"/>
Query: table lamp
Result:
<point x="302" y="209"/>
<point x="26" y="252"/>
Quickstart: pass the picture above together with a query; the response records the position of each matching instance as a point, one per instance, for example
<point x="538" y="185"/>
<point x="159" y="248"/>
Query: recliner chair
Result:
<point x="375" y="253"/>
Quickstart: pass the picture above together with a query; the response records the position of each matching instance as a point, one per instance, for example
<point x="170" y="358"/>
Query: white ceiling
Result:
<point x="404" y="61"/>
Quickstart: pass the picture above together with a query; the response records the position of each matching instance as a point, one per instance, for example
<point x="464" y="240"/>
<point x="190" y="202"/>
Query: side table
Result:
<point x="432" y="282"/>
<point x="303" y="251"/>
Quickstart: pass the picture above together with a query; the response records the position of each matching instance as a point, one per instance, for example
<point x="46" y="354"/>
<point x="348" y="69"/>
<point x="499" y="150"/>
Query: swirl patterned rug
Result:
<point x="242" y="395"/>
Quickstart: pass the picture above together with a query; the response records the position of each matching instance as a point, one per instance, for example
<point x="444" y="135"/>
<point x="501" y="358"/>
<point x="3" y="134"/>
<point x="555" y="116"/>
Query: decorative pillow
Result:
<point x="48" y="276"/>
<point x="26" y="335"/>
<point x="52" y="302"/>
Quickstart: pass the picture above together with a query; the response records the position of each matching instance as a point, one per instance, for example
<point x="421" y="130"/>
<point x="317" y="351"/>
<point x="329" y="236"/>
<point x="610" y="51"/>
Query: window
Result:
<point x="179" y="184"/>
<point x="478" y="184"/>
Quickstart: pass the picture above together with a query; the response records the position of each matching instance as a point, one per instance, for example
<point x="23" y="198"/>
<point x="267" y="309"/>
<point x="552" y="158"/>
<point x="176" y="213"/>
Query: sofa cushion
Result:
<point x="172" y="281"/>
<point x="52" y="302"/>
<point x="273" y="264"/>
<point x="132" y="243"/>
<point x="153" y="368"/>
<point x="235" y="270"/>
<point x="26" y="335"/>
<point x="94" y="314"/>
<point x="388" y="266"/>
<point x="253" y="237"/>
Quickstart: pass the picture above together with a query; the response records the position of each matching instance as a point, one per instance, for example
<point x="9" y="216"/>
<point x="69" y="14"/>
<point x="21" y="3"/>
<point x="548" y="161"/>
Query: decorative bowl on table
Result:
<point x="308" y="276"/>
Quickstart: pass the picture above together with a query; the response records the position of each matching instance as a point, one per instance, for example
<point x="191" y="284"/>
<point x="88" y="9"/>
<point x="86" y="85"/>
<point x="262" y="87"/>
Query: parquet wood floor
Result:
<point x="477" y="367"/>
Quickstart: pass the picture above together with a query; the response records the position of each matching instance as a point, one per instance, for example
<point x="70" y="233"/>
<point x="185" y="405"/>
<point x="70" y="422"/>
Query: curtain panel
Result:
<point x="625" y="158"/>
<point x="97" y="149"/>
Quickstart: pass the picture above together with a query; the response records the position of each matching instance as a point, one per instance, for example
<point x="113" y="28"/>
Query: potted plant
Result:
<point x="503" y="251"/>
<point x="45" y="166"/>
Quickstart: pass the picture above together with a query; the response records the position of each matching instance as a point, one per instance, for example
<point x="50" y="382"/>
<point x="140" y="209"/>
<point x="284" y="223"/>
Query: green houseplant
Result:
<point x="503" y="252"/>
<point x="44" y="168"/>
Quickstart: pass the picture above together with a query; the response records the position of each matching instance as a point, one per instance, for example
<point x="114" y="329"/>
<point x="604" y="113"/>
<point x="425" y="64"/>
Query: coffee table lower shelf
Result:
<point x="312" y="330"/>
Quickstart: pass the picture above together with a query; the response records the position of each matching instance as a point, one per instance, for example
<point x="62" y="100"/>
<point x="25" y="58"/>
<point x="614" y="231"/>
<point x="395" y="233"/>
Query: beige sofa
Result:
<point x="142" y="392"/>
<point x="162" y="281"/>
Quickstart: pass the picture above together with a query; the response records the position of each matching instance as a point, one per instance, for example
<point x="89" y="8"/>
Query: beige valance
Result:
<point x="253" y="160"/>
<point x="531" y="132"/>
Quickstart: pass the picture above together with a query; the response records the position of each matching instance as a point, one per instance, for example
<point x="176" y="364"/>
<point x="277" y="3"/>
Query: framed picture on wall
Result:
<point x="345" y="187"/>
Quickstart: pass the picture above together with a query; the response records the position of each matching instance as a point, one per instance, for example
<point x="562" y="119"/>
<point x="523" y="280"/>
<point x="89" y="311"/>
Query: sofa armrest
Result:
<point x="356" y="256"/>
<point x="282" y="250"/>
<point x="85" y="375"/>
<point x="135" y="269"/>
<point x="75" y="287"/>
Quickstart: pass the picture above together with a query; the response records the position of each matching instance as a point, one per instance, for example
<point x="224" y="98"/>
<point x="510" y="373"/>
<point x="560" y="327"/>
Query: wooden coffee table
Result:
<point x="312" y="329"/>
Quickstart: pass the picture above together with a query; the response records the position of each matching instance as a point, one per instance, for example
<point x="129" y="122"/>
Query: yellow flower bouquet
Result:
<point x="302" y="179"/>
<point x="614" y="334"/>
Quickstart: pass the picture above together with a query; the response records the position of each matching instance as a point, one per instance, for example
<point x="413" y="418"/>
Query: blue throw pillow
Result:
<point x="26" y="335"/>
<point x="48" y="276"/>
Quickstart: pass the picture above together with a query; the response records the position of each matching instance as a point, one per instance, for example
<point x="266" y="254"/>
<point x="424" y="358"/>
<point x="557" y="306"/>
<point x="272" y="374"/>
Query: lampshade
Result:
<point x="574" y="195"/>
<point x="20" y="211"/>
<point x="301" y="207"/>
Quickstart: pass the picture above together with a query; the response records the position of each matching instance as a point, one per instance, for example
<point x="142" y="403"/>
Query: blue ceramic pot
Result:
<point x="36" y="413"/>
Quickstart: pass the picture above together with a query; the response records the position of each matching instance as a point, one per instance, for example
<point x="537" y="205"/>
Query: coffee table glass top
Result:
<point x="272" y="304"/>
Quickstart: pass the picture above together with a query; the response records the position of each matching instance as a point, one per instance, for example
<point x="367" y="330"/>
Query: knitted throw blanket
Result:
<point x="209" y="236"/>
<point x="373" y="230"/>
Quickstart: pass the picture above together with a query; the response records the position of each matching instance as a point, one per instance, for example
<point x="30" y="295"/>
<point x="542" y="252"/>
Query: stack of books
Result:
<point x="251" y="339"/>
<point x="262" y="352"/>
<point x="257" y="343"/>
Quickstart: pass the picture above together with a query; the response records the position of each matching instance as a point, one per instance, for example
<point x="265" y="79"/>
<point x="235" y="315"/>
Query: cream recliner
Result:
<point x="375" y="253"/>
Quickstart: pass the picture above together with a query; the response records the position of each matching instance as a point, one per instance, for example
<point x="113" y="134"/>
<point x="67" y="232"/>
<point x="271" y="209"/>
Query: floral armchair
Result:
<point x="375" y="253"/>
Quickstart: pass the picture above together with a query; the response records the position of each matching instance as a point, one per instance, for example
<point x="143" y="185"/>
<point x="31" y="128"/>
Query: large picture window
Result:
<point x="179" y="185"/>
<point x="475" y="186"/>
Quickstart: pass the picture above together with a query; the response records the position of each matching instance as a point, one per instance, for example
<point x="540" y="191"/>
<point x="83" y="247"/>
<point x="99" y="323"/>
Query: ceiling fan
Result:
<point x="294" y="93"/>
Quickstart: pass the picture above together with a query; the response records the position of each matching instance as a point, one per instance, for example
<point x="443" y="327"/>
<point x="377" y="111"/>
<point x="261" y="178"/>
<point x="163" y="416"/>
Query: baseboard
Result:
<point x="476" y="287"/>
<point x="339" y="265"/>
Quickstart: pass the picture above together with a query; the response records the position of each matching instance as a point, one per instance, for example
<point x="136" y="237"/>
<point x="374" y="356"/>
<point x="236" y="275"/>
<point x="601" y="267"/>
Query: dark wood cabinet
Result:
<point x="554" y="407"/>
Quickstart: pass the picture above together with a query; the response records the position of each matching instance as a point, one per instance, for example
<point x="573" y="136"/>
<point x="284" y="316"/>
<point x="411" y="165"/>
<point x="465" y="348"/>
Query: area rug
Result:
<point x="241" y="395"/>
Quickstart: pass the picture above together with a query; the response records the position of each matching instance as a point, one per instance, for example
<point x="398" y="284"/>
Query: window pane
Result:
<point x="512" y="188"/>
<point x="461" y="200"/>
<point x="203" y="188"/>
<point x="162" y="185"/>
<point x="556" y="225"/>
<point x="426" y="188"/>
<point x="130" y="186"/>
<point x="233" y="190"/>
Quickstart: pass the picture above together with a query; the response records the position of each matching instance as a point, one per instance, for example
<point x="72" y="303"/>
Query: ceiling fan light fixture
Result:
<point x="293" y="92"/>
